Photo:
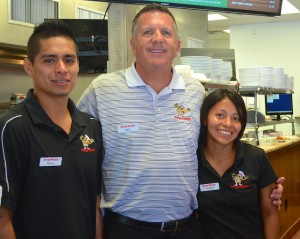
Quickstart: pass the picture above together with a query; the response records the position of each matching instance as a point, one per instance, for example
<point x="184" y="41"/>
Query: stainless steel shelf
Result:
<point x="268" y="123"/>
<point x="216" y="85"/>
<point x="254" y="92"/>
<point x="263" y="91"/>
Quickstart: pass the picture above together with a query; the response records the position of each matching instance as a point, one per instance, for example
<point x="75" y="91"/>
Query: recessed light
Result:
<point x="288" y="8"/>
<point x="216" y="17"/>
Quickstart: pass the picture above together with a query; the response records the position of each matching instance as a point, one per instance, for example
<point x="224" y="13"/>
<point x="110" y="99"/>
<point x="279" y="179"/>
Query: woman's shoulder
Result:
<point x="251" y="149"/>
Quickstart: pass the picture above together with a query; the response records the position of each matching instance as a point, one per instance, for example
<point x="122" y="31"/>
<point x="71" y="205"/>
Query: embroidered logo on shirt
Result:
<point x="86" y="142"/>
<point x="238" y="178"/>
<point x="183" y="112"/>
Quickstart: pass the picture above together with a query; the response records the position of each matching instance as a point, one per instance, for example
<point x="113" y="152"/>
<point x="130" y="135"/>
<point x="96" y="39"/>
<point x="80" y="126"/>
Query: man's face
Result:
<point x="55" y="67"/>
<point x="155" y="43"/>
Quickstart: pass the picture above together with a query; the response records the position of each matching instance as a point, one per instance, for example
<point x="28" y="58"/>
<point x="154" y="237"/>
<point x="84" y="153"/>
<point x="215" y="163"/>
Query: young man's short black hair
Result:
<point x="47" y="29"/>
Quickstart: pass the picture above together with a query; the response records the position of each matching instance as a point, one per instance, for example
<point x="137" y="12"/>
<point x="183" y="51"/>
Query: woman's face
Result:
<point x="223" y="123"/>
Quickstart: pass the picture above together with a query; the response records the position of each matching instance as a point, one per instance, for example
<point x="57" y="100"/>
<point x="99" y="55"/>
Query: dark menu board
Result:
<point x="258" y="7"/>
<point x="252" y="5"/>
<point x="255" y="5"/>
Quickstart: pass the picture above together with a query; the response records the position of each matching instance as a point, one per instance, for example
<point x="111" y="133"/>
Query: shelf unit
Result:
<point x="254" y="92"/>
<point x="216" y="85"/>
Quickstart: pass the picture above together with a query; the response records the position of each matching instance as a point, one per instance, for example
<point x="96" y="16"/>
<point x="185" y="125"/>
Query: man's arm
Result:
<point x="99" y="221"/>
<point x="270" y="214"/>
<point x="276" y="193"/>
<point x="6" y="227"/>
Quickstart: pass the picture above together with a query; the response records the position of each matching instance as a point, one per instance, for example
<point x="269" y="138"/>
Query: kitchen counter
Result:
<point x="285" y="159"/>
<point x="281" y="144"/>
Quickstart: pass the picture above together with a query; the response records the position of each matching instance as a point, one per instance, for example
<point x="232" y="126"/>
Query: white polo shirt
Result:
<point x="150" y="140"/>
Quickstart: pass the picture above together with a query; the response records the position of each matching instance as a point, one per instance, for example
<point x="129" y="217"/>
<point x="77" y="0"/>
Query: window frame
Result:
<point x="78" y="7"/>
<point x="25" y="24"/>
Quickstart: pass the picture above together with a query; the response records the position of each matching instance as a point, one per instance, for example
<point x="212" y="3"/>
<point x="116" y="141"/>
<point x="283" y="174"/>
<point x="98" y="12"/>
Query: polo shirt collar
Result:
<point x="134" y="80"/>
<point x="39" y="116"/>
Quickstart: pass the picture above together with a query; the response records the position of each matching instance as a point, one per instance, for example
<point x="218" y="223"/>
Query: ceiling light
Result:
<point x="216" y="17"/>
<point x="288" y="8"/>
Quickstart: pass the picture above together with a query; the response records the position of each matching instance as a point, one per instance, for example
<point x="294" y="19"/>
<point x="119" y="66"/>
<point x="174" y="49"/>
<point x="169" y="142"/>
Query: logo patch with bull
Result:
<point x="183" y="112"/>
<point x="86" y="142"/>
<point x="239" y="179"/>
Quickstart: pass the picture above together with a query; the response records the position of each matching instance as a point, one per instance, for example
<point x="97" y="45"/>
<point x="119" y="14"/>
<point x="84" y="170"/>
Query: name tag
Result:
<point x="128" y="128"/>
<point x="50" y="161"/>
<point x="209" y="187"/>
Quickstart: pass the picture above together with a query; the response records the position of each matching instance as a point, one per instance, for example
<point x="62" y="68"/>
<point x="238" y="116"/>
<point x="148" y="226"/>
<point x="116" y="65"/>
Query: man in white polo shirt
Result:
<point x="150" y="120"/>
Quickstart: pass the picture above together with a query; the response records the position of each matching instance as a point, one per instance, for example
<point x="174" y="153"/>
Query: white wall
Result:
<point x="219" y="43"/>
<point x="13" y="80"/>
<point x="270" y="44"/>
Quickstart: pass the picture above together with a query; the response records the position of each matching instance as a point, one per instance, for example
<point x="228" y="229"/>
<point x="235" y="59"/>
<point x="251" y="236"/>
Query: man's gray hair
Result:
<point x="152" y="8"/>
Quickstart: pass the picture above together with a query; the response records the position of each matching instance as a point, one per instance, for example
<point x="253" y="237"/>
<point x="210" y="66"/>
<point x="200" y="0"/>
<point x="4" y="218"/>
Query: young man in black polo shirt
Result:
<point x="50" y="158"/>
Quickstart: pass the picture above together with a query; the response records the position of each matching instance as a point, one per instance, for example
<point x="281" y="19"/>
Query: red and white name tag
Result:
<point x="50" y="161"/>
<point x="128" y="128"/>
<point x="209" y="187"/>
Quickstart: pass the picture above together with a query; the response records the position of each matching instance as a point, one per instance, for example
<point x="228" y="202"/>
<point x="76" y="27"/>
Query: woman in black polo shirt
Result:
<point x="235" y="179"/>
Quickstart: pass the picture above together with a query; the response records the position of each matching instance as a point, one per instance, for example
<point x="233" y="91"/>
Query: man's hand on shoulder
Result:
<point x="277" y="192"/>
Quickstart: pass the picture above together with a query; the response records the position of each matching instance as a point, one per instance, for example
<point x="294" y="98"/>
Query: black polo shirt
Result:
<point x="50" y="179"/>
<point x="233" y="210"/>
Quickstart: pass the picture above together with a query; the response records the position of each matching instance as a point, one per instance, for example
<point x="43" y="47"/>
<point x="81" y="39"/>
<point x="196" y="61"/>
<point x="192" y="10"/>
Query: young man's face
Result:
<point x="55" y="67"/>
<point x="155" y="43"/>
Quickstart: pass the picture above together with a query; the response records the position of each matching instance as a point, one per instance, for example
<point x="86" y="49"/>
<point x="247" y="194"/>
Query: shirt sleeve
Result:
<point x="267" y="173"/>
<point x="100" y="155"/>
<point x="88" y="101"/>
<point x="12" y="162"/>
